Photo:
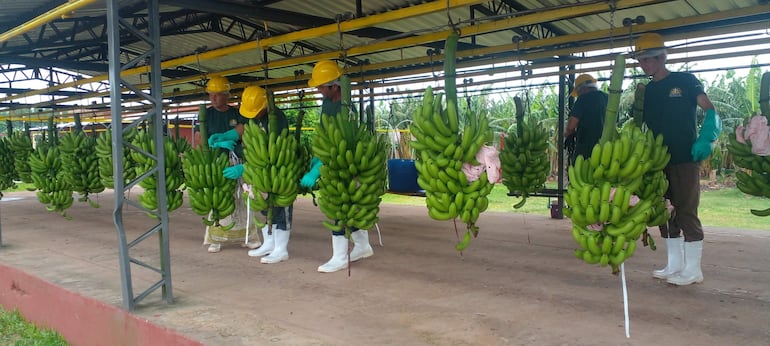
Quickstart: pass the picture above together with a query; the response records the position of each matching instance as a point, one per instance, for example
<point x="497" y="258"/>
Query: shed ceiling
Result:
<point x="271" y="42"/>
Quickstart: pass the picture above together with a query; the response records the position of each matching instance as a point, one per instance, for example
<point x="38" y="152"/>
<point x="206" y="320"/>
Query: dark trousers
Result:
<point x="281" y="217"/>
<point x="684" y="193"/>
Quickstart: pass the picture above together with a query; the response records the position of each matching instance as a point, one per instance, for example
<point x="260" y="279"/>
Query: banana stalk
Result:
<point x="764" y="95"/>
<point x="204" y="132"/>
<point x="609" y="132"/>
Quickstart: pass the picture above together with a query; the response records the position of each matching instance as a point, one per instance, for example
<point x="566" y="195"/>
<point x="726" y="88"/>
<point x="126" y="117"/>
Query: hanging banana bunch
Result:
<point x="47" y="174"/>
<point x="353" y="175"/>
<point x="608" y="202"/>
<point x="80" y="165"/>
<point x="7" y="164"/>
<point x="270" y="164"/>
<point x="21" y="145"/>
<point x="756" y="180"/>
<point x="48" y="178"/>
<point x="208" y="189"/>
<point x="524" y="157"/>
<point x="174" y="176"/>
<point x="442" y="150"/>
<point x="103" y="150"/>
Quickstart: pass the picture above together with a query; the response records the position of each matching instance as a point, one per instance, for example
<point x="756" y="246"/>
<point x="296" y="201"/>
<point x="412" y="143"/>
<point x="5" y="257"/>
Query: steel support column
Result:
<point x="151" y="60"/>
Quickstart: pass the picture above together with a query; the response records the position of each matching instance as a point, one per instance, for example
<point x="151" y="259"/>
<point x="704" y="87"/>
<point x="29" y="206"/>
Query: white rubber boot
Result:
<point x="675" y="247"/>
<point x="339" y="258"/>
<point x="691" y="274"/>
<point x="267" y="244"/>
<point x="280" y="249"/>
<point x="361" y="246"/>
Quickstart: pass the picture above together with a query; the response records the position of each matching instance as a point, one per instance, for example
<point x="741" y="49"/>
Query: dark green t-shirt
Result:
<point x="330" y="107"/>
<point x="669" y="109"/>
<point x="283" y="122"/>
<point x="590" y="109"/>
<point x="221" y="122"/>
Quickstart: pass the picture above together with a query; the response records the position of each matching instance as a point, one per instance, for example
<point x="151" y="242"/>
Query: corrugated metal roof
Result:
<point x="193" y="27"/>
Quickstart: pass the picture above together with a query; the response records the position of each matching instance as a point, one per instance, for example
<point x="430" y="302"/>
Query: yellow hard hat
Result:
<point x="253" y="101"/>
<point x="649" y="45"/>
<point x="218" y="84"/>
<point x="324" y="71"/>
<point x="583" y="80"/>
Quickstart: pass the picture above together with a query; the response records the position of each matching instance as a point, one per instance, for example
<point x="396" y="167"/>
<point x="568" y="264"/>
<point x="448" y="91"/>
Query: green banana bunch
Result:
<point x="756" y="181"/>
<point x="21" y="146"/>
<point x="653" y="188"/>
<point x="80" y="165"/>
<point x="271" y="166"/>
<point x="602" y="248"/>
<point x="442" y="149"/>
<point x="7" y="164"/>
<point x="208" y="190"/>
<point x="174" y="175"/>
<point x="603" y="198"/>
<point x="47" y="176"/>
<point x="622" y="166"/>
<point x="103" y="150"/>
<point x="353" y="175"/>
<point x="524" y="159"/>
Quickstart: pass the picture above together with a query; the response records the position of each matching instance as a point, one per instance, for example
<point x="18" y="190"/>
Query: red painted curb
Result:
<point x="80" y="320"/>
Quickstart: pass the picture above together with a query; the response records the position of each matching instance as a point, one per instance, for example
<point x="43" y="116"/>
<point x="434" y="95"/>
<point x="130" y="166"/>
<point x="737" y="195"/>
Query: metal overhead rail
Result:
<point x="521" y="20"/>
<point x="151" y="35"/>
<point x="265" y="43"/>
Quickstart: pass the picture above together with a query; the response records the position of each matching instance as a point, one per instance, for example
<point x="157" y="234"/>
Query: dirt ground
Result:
<point x="517" y="284"/>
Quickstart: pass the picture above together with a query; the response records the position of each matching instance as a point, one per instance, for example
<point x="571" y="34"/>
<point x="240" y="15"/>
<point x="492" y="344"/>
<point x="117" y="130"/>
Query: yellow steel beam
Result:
<point x="525" y="20"/>
<point x="544" y="16"/>
<point x="54" y="14"/>
<point x="353" y="24"/>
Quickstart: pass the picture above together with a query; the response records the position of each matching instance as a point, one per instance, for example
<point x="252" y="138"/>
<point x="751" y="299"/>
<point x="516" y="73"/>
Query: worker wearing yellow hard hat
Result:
<point x="649" y="45"/>
<point x="325" y="78"/>
<point x="586" y="118"/>
<point x="671" y="100"/>
<point x="275" y="244"/>
<point x="224" y="126"/>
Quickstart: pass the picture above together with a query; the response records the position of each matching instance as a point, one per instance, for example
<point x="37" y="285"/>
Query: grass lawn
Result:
<point x="14" y="330"/>
<point x="726" y="207"/>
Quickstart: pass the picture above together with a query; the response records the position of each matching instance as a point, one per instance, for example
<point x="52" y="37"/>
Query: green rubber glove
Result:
<point x="229" y="145"/>
<point x="709" y="132"/>
<point x="231" y="135"/>
<point x="311" y="177"/>
<point x="233" y="172"/>
<point x="213" y="139"/>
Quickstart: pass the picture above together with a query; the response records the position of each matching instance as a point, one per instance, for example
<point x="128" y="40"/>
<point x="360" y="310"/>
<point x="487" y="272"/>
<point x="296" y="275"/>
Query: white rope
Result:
<point x="208" y="227"/>
<point x="379" y="235"/>
<point x="248" y="219"/>
<point x="625" y="297"/>
<point x="286" y="218"/>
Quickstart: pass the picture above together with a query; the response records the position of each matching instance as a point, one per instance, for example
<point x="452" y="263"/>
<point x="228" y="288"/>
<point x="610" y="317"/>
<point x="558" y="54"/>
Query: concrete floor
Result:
<point x="517" y="284"/>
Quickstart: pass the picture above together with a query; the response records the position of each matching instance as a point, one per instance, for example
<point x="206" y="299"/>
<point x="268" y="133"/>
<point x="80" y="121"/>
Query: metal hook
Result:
<point x="449" y="19"/>
<point x="431" y="52"/>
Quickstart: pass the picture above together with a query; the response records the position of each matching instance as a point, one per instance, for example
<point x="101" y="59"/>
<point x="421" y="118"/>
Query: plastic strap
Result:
<point x="625" y="297"/>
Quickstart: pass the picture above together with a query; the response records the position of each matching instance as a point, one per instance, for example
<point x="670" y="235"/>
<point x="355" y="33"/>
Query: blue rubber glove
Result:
<point x="231" y="135"/>
<point x="229" y="145"/>
<point x="213" y="139"/>
<point x="311" y="177"/>
<point x="233" y="172"/>
<point x="709" y="132"/>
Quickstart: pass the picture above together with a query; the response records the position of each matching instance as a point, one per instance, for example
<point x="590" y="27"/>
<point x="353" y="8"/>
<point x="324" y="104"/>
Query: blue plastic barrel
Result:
<point x="402" y="176"/>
